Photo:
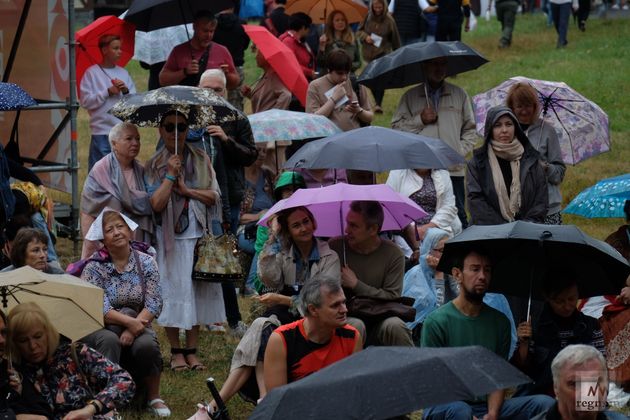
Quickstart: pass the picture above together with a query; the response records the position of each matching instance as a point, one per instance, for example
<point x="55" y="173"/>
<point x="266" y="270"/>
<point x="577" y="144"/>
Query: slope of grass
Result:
<point x="595" y="63"/>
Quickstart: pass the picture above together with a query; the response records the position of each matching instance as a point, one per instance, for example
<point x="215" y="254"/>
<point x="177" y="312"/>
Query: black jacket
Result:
<point x="239" y="151"/>
<point x="231" y="35"/>
<point x="483" y="201"/>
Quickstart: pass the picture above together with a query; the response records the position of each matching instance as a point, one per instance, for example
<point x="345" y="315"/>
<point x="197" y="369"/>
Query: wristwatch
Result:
<point x="96" y="406"/>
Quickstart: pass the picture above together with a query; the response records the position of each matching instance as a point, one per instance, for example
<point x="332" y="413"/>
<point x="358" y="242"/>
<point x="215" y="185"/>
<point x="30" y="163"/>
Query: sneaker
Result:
<point x="378" y="109"/>
<point x="239" y="330"/>
<point x="216" y="328"/>
<point x="614" y="7"/>
<point x="625" y="7"/>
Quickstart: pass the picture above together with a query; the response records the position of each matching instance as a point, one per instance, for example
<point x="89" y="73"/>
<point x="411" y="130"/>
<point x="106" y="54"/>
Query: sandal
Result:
<point x="193" y="366"/>
<point x="178" y="367"/>
<point x="158" y="411"/>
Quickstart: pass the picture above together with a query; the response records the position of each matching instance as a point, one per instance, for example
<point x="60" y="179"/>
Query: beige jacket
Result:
<point x="455" y="125"/>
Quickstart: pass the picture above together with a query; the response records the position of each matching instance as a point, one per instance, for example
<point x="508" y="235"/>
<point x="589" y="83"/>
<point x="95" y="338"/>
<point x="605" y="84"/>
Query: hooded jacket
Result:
<point x="383" y="26"/>
<point x="483" y="201"/>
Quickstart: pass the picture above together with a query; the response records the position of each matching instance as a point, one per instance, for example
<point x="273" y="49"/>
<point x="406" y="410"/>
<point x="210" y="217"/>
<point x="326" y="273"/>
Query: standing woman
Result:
<point x="102" y="86"/>
<point x="380" y="23"/>
<point x="338" y="35"/>
<point x="184" y="196"/>
<point x="505" y="180"/>
<point x="522" y="99"/>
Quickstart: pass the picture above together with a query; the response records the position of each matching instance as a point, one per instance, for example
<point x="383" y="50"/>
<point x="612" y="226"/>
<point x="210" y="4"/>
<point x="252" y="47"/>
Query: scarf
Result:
<point x="198" y="174"/>
<point x="106" y="186"/>
<point x="512" y="152"/>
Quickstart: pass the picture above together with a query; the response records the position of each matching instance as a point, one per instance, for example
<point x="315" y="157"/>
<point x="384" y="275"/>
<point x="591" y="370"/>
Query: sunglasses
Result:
<point x="170" y="127"/>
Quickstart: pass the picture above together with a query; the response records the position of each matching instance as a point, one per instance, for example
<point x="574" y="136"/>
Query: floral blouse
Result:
<point x="128" y="289"/>
<point x="63" y="386"/>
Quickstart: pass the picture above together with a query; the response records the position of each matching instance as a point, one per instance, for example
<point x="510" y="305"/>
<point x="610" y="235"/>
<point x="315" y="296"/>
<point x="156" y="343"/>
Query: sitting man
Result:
<point x="319" y="339"/>
<point x="579" y="367"/>
<point x="372" y="267"/>
<point x="467" y="321"/>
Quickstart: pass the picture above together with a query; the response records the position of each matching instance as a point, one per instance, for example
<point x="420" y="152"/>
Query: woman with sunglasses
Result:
<point x="184" y="195"/>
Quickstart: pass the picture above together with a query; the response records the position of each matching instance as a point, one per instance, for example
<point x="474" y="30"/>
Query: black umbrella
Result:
<point x="383" y="382"/>
<point x="375" y="149"/>
<point x="149" y="15"/>
<point x="522" y="252"/>
<point x="403" y="67"/>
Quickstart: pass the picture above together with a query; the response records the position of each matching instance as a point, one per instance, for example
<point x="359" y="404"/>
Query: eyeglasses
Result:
<point x="170" y="127"/>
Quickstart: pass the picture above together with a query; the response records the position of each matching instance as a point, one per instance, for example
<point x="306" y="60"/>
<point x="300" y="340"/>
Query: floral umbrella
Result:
<point x="202" y="106"/>
<point x="13" y="97"/>
<point x="277" y="124"/>
<point x="582" y="126"/>
<point x="604" y="199"/>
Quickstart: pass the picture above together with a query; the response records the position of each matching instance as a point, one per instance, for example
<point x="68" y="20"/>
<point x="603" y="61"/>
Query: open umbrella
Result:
<point x="155" y="46"/>
<point x="74" y="306"/>
<point x="403" y="67"/>
<point x="89" y="53"/>
<point x="330" y="204"/>
<point x="375" y="149"/>
<point x="281" y="59"/>
<point x="149" y="15"/>
<point x="604" y="199"/>
<point x="318" y="10"/>
<point x="13" y="97"/>
<point x="385" y="382"/>
<point x="582" y="126"/>
<point x="522" y="251"/>
<point x="278" y="124"/>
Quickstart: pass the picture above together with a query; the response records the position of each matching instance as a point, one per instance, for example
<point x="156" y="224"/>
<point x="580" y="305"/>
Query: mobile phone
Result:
<point x="355" y="102"/>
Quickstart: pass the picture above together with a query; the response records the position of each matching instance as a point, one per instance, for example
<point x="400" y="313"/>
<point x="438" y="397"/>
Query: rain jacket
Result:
<point x="383" y="26"/>
<point x="483" y="201"/>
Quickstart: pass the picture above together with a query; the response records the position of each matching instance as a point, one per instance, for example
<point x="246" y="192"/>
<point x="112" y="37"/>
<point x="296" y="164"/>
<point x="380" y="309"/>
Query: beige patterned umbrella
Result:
<point x="74" y="306"/>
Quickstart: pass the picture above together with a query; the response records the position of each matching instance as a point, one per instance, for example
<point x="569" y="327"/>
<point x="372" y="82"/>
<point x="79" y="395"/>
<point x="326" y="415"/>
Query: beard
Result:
<point x="472" y="296"/>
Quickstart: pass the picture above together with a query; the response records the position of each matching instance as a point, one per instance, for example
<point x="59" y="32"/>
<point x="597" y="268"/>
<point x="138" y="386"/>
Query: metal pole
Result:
<point x="72" y="107"/>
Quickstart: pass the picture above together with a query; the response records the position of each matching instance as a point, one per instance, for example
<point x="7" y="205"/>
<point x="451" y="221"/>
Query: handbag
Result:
<point x="373" y="309"/>
<point x="216" y="259"/>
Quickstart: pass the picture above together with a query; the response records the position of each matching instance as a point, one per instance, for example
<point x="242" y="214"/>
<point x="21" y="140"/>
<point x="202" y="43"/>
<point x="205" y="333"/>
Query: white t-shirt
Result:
<point x="96" y="99"/>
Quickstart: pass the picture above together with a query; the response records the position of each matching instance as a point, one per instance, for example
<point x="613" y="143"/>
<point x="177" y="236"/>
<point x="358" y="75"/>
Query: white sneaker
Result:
<point x="625" y="7"/>
<point x="216" y="328"/>
<point x="614" y="7"/>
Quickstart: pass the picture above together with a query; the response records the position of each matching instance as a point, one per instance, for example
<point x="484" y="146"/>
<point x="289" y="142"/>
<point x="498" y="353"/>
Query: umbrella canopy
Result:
<point x="281" y="59"/>
<point x="582" y="126"/>
<point x="74" y="306"/>
<point x="202" y="106"/>
<point x="375" y="149"/>
<point x="385" y="382"/>
<point x="13" y="97"/>
<point x="88" y="52"/>
<point x="278" y="124"/>
<point x="318" y="10"/>
<point x="155" y="46"/>
<point x="149" y="15"/>
<point x="330" y="205"/>
<point x="403" y="67"/>
<point x="604" y="199"/>
<point x="522" y="251"/>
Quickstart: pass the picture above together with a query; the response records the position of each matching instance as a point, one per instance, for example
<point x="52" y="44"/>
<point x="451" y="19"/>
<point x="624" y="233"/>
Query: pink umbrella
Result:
<point x="330" y="205"/>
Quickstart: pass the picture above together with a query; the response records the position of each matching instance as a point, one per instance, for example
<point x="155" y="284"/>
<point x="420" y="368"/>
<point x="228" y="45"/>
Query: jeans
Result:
<point x="459" y="190"/>
<point x="561" y="14"/>
<point x="506" y="14"/>
<point x="519" y="408"/>
<point x="99" y="147"/>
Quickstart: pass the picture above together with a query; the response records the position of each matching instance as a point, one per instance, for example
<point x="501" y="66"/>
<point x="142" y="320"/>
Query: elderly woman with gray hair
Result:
<point x="117" y="181"/>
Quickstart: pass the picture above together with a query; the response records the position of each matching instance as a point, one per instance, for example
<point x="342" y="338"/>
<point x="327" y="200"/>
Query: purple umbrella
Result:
<point x="330" y="205"/>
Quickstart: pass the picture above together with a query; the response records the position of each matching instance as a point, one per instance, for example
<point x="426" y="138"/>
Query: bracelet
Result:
<point x="96" y="406"/>
<point x="170" y="177"/>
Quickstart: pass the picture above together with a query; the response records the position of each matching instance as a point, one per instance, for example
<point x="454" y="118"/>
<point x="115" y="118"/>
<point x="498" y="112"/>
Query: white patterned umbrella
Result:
<point x="277" y="124"/>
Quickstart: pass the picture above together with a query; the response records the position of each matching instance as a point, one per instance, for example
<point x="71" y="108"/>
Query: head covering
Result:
<point x="287" y="179"/>
<point x="96" y="230"/>
<point x="497" y="112"/>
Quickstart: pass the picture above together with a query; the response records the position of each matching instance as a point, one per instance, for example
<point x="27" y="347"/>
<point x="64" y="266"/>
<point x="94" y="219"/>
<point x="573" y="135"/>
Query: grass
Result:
<point x="595" y="63"/>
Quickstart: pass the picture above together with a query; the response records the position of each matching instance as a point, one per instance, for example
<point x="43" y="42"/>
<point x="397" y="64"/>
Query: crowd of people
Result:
<point x="141" y="221"/>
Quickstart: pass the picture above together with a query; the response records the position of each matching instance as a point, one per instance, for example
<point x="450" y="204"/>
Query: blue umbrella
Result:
<point x="13" y="97"/>
<point x="604" y="199"/>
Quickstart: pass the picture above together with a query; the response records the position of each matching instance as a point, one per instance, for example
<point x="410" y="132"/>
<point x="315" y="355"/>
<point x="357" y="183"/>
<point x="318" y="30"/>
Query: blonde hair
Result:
<point x="346" y="36"/>
<point x="24" y="318"/>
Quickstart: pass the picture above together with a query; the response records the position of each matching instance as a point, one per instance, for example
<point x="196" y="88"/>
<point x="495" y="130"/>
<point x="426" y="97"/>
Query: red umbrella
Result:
<point x="281" y="59"/>
<point x="88" y="51"/>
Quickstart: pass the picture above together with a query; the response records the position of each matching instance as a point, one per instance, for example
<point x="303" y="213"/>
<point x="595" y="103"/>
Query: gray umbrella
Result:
<point x="383" y="382"/>
<point x="375" y="149"/>
<point x="403" y="67"/>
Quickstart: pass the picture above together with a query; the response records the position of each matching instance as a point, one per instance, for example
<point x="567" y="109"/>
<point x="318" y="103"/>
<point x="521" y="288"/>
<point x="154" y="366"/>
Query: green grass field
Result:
<point x="595" y="63"/>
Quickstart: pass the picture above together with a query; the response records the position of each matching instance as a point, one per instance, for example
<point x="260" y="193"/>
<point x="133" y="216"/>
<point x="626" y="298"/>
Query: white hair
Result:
<point x="117" y="131"/>
<point x="213" y="74"/>
<point x="573" y="355"/>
